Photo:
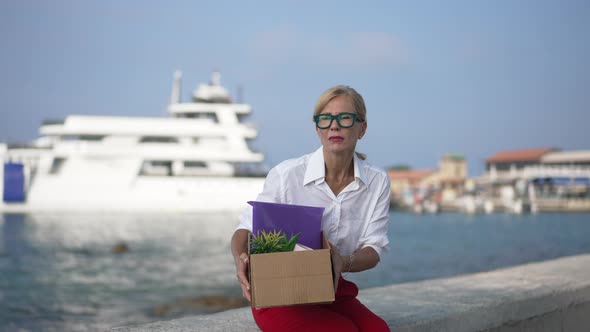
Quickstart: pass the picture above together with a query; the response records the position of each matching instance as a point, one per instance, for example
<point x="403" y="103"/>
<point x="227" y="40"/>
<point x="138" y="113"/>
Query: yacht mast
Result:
<point x="176" y="88"/>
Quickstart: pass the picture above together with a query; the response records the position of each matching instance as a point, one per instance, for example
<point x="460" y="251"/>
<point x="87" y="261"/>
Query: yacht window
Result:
<point x="210" y="116"/>
<point x="53" y="121"/>
<point x="194" y="164"/>
<point x="242" y="117"/>
<point x="82" y="137"/>
<point x="156" y="167"/>
<point x="56" y="165"/>
<point x="255" y="169"/>
<point x="213" y="117"/>
<point x="91" y="137"/>
<point x="158" y="139"/>
<point x="252" y="145"/>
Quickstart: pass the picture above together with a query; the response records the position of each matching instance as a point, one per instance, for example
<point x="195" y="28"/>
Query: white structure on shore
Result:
<point x="197" y="159"/>
<point x="543" y="179"/>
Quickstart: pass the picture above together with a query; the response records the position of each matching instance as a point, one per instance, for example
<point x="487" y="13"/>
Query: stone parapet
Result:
<point x="547" y="296"/>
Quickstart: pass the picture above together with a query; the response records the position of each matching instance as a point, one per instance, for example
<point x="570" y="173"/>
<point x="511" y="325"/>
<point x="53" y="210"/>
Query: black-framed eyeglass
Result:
<point x="344" y="120"/>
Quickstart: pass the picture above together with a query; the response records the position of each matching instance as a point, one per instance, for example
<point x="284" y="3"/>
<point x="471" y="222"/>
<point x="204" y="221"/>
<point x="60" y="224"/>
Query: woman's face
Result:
<point x="336" y="139"/>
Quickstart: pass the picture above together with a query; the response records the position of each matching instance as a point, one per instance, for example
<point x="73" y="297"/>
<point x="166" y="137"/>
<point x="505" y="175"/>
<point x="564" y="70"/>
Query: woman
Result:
<point x="355" y="196"/>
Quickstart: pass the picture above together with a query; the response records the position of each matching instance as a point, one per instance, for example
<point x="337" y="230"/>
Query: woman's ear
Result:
<point x="363" y="129"/>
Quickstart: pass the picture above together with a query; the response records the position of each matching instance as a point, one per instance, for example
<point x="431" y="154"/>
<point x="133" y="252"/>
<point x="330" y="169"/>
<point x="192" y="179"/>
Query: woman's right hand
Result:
<point x="242" y="274"/>
<point x="239" y="249"/>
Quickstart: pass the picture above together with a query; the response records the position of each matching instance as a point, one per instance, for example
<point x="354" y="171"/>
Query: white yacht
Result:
<point x="197" y="159"/>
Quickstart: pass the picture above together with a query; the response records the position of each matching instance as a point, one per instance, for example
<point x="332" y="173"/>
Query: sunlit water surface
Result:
<point x="58" y="271"/>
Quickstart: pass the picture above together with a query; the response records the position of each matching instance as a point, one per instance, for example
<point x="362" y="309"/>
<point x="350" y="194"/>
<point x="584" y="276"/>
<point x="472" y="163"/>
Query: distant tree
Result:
<point x="400" y="167"/>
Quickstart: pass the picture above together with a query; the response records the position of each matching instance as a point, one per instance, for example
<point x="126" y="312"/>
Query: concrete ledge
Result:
<point x="547" y="296"/>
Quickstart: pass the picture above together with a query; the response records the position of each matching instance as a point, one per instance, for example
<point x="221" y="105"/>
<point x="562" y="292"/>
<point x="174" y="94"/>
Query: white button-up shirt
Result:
<point x="358" y="217"/>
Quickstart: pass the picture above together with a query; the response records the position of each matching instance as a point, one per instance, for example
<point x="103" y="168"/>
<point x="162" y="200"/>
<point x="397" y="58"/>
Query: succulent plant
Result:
<point x="275" y="241"/>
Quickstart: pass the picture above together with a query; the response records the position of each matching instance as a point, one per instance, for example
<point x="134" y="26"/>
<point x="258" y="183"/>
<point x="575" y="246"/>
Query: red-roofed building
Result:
<point x="523" y="155"/>
<point x="410" y="178"/>
<point x="411" y="186"/>
<point x="508" y="164"/>
<point x="405" y="184"/>
<point x="541" y="179"/>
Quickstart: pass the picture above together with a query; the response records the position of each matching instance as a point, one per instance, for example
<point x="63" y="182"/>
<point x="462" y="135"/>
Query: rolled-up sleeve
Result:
<point x="270" y="193"/>
<point x="375" y="235"/>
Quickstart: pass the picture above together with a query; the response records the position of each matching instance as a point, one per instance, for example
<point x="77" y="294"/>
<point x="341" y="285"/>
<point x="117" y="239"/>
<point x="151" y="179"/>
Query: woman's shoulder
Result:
<point x="372" y="168"/>
<point x="293" y="164"/>
<point x="374" y="172"/>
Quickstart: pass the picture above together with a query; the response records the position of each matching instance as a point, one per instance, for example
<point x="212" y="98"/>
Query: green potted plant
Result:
<point x="274" y="241"/>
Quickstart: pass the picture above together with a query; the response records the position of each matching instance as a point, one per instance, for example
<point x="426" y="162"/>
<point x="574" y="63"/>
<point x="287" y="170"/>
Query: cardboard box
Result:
<point x="289" y="278"/>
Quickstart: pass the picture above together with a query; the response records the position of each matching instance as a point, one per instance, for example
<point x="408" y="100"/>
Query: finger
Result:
<point x="244" y="280"/>
<point x="244" y="257"/>
<point x="246" y="294"/>
<point x="245" y="283"/>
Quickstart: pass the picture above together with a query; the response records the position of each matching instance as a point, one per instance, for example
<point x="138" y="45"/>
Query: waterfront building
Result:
<point x="542" y="179"/>
<point x="405" y="183"/>
<point x="429" y="188"/>
<point x="508" y="165"/>
<point x="451" y="173"/>
<point x="567" y="158"/>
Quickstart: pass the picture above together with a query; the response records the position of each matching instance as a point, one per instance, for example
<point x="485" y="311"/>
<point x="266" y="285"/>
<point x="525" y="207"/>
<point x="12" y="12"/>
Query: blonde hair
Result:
<point x="355" y="98"/>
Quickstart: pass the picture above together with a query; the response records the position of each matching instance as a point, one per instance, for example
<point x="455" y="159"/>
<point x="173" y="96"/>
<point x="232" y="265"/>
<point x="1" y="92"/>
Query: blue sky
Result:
<point x="471" y="77"/>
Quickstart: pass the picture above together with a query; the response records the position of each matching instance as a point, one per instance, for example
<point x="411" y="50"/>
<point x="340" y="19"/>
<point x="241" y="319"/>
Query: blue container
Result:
<point x="14" y="183"/>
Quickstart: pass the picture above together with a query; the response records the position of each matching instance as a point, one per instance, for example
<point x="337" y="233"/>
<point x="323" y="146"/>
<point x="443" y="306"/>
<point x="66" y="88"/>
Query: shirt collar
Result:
<point x="359" y="171"/>
<point x="316" y="170"/>
<point x="315" y="167"/>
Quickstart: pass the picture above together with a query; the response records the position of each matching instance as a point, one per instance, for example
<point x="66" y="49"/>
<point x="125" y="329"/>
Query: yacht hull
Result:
<point x="147" y="194"/>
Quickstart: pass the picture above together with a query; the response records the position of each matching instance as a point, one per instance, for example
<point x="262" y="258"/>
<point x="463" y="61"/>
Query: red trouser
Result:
<point x="346" y="313"/>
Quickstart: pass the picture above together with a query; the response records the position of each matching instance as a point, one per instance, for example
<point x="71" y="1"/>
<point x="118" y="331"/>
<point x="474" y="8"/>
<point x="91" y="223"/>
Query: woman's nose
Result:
<point x="334" y="125"/>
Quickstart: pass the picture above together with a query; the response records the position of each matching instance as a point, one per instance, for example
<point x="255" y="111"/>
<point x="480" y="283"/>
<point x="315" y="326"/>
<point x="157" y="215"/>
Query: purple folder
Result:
<point x="291" y="219"/>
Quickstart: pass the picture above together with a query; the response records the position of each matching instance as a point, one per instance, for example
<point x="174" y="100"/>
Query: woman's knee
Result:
<point x="375" y="324"/>
<point x="303" y="319"/>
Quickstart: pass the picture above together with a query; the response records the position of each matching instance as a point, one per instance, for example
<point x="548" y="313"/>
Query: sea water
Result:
<point x="58" y="272"/>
